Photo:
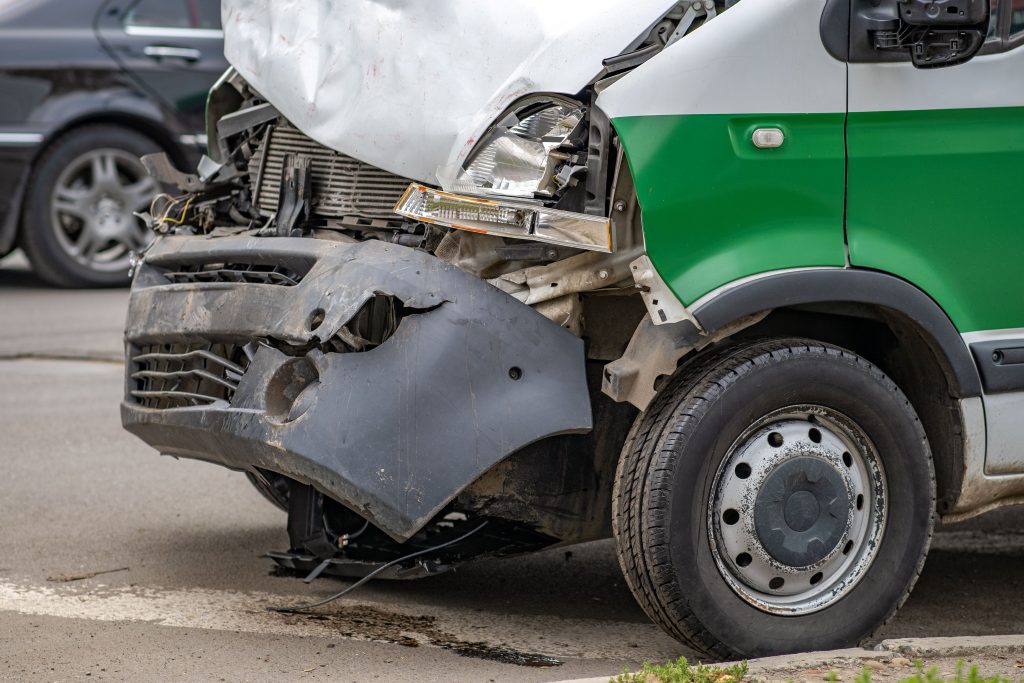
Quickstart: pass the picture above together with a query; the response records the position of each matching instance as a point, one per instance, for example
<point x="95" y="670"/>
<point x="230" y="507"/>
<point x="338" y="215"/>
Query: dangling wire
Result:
<point x="163" y="216"/>
<point x="378" y="570"/>
<point x="181" y="217"/>
<point x="342" y="540"/>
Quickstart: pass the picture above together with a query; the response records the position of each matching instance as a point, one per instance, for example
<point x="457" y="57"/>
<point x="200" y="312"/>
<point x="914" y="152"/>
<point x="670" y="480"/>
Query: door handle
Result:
<point x="187" y="54"/>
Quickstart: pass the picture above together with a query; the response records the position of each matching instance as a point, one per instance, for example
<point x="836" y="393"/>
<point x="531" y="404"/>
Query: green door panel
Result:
<point x="715" y="208"/>
<point x="936" y="197"/>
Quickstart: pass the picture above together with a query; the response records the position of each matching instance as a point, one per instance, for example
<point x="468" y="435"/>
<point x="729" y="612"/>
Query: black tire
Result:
<point x="51" y="257"/>
<point x="669" y="468"/>
<point x="272" y="488"/>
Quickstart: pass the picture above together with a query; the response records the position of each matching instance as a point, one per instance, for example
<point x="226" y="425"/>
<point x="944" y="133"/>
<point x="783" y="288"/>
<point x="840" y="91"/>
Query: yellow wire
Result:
<point x="181" y="216"/>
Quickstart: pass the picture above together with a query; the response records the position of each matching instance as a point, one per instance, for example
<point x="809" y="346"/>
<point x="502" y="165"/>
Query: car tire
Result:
<point x="273" y="488"/>
<point x="740" y="534"/>
<point x="77" y="227"/>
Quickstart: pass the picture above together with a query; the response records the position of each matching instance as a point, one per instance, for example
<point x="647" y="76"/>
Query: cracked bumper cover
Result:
<point x="394" y="433"/>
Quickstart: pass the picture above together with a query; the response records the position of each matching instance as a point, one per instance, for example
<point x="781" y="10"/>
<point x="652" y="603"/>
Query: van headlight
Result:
<point x="507" y="218"/>
<point x="528" y="155"/>
<point x="522" y="154"/>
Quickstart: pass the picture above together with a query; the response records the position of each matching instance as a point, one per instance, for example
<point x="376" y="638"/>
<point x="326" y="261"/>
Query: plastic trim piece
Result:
<point x="655" y="351"/>
<point x="662" y="304"/>
<point x="174" y="32"/>
<point x="835" y="28"/>
<point x="20" y="139"/>
<point x="470" y="375"/>
<point x="1001" y="363"/>
<point x="981" y="491"/>
<point x="846" y="285"/>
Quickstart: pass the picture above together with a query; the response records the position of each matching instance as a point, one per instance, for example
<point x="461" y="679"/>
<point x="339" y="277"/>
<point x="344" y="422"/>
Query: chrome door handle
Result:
<point x="167" y="52"/>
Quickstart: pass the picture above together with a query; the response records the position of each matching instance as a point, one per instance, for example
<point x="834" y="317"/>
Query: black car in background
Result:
<point x="86" y="87"/>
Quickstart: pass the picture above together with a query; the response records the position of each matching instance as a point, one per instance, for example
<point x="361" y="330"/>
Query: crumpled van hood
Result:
<point x="410" y="85"/>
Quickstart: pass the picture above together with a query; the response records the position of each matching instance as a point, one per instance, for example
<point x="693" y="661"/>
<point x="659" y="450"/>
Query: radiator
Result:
<point x="343" y="187"/>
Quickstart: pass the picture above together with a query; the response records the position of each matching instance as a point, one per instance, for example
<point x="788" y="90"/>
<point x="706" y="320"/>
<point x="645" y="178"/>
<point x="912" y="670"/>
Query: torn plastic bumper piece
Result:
<point x="226" y="339"/>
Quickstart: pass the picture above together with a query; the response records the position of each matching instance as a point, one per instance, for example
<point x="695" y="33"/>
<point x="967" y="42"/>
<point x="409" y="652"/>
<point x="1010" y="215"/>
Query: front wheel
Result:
<point x="776" y="497"/>
<point x="79" y="227"/>
<point x="273" y="487"/>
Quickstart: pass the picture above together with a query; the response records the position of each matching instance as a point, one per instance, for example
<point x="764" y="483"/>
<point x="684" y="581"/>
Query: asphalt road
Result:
<point x="78" y="495"/>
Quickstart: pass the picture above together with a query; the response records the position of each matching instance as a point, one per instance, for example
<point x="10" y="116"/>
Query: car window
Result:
<point x="1017" y="18"/>
<point x="208" y="12"/>
<point x="187" y="14"/>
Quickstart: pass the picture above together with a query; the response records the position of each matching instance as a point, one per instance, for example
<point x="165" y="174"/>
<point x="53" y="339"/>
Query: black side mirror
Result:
<point x="936" y="32"/>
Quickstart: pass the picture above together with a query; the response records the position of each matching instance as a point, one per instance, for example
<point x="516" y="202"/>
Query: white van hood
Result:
<point x="410" y="85"/>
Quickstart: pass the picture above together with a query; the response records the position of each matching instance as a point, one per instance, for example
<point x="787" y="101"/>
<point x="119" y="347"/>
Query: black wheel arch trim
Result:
<point x="847" y="285"/>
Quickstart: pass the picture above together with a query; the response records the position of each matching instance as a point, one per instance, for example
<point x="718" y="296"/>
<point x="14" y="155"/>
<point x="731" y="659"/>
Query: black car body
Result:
<point x="97" y="71"/>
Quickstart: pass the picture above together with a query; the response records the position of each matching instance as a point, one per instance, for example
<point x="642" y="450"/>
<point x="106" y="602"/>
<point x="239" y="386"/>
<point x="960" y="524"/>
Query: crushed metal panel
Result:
<point x="661" y="302"/>
<point x="655" y="351"/>
<point x="409" y="87"/>
<point x="470" y="376"/>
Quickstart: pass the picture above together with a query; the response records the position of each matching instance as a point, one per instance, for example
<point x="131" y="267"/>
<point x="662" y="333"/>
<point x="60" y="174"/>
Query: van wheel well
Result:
<point x="897" y="346"/>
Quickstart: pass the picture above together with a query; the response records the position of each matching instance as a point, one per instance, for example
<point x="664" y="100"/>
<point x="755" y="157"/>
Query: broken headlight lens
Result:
<point x="523" y="153"/>
<point x="506" y="219"/>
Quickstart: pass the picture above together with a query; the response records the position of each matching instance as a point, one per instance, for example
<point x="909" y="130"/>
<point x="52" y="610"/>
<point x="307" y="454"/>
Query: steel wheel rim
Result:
<point x="754" y="551"/>
<point x="92" y="206"/>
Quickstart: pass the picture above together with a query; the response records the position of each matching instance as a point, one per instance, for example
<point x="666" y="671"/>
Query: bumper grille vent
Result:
<point x="343" y="187"/>
<point x="234" y="272"/>
<point x="183" y="375"/>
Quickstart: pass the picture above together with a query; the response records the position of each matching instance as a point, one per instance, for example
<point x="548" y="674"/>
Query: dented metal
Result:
<point x="469" y="376"/>
<point x="411" y="87"/>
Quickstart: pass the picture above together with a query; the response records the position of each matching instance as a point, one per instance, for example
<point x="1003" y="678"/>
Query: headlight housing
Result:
<point x="523" y="154"/>
<point x="531" y="154"/>
<point x="518" y="220"/>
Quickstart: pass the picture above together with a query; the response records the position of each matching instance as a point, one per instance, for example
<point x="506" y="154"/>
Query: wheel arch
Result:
<point x="899" y="299"/>
<point x="139" y="123"/>
<point x="144" y="125"/>
<point x="883" y="318"/>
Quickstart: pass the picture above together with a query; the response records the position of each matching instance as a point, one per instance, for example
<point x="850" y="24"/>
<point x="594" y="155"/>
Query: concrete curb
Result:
<point x="955" y="647"/>
<point x="909" y="648"/>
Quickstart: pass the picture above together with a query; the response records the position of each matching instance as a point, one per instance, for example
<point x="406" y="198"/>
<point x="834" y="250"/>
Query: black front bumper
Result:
<point x="470" y="375"/>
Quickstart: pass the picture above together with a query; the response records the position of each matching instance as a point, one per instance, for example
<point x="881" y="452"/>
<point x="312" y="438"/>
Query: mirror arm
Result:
<point x="936" y="32"/>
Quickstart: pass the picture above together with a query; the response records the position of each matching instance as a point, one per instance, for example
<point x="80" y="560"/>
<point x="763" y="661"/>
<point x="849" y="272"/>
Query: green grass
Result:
<point x="681" y="671"/>
<point x="932" y="676"/>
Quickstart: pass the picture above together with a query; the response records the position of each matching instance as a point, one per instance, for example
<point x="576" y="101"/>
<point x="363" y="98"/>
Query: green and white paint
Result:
<point x="861" y="167"/>
<point x="936" y="167"/>
<point x="715" y="207"/>
<point x="912" y="172"/>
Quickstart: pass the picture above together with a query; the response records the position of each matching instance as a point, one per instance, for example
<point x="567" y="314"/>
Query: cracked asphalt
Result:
<point x="80" y="496"/>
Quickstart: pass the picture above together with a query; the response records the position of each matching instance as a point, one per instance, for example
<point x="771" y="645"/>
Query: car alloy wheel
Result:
<point x="92" y="208"/>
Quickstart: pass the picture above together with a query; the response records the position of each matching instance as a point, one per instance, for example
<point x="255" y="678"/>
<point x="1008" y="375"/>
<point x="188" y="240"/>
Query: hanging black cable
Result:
<point x="378" y="570"/>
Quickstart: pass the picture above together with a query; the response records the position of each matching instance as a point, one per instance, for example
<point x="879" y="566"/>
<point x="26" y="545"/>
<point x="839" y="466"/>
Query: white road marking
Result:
<point x="246" y="612"/>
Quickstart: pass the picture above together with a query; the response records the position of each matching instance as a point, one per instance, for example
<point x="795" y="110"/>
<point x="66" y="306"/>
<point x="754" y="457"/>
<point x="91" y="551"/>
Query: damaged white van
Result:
<point x="735" y="282"/>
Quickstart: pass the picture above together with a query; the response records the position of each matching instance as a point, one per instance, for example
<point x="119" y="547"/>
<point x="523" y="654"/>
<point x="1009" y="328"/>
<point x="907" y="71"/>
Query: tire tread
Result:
<point x="642" y="489"/>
